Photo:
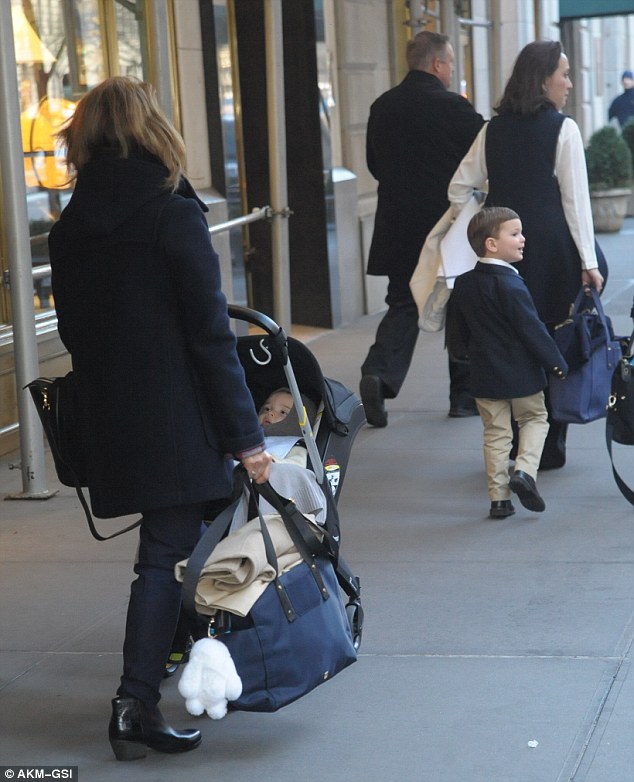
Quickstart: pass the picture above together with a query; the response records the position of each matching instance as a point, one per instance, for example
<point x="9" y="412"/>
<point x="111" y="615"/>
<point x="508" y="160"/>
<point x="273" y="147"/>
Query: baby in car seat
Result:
<point x="280" y="421"/>
<point x="289" y="477"/>
<point x="289" y="474"/>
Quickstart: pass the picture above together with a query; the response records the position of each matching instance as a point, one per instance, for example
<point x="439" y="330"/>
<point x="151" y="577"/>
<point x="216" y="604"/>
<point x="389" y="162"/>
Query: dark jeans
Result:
<point x="391" y="354"/>
<point x="166" y="536"/>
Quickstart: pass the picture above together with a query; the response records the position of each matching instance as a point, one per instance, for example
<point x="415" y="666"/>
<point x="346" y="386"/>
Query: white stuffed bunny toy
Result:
<point x="209" y="680"/>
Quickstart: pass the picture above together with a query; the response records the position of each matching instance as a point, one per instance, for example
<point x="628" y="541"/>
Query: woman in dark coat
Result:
<point x="140" y="309"/>
<point x="530" y="158"/>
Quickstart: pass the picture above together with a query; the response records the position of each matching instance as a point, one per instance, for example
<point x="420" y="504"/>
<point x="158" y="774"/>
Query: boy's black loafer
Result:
<point x="524" y="486"/>
<point x="500" y="509"/>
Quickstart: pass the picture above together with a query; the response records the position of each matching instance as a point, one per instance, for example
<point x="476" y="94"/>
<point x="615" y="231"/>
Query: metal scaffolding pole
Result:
<point x="16" y="224"/>
<point x="277" y="162"/>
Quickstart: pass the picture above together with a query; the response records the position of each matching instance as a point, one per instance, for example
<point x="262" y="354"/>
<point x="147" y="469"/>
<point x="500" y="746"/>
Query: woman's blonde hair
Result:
<point x="122" y="117"/>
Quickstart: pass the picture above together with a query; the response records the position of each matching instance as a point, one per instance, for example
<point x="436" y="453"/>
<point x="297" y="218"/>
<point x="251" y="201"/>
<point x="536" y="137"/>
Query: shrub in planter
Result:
<point x="609" y="160"/>
<point x="609" y="163"/>
<point x="628" y="136"/>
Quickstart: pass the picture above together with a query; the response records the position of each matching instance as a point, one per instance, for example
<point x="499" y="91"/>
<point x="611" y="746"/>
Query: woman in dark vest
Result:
<point x="530" y="158"/>
<point x="163" y="391"/>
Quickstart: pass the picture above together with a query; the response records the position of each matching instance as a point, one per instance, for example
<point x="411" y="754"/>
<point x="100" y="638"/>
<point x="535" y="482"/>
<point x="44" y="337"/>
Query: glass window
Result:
<point x="131" y="38"/>
<point x="465" y="56"/>
<point x="63" y="49"/>
<point x="231" y="127"/>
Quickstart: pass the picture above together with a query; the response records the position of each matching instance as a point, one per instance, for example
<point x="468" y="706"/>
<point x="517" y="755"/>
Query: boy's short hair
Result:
<point x="486" y="223"/>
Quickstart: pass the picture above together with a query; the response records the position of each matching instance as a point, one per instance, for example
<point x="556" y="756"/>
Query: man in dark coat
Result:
<point x="418" y="133"/>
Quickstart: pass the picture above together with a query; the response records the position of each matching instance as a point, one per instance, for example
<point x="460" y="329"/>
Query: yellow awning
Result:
<point x="28" y="47"/>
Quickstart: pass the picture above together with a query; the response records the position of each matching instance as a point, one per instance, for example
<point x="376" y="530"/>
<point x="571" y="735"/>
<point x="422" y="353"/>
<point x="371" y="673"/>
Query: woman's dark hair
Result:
<point x="524" y="91"/>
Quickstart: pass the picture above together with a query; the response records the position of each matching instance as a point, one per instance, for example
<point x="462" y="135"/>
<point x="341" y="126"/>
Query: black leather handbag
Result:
<point x="55" y="399"/>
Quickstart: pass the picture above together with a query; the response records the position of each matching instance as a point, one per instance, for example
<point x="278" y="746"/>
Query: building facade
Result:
<point x="272" y="98"/>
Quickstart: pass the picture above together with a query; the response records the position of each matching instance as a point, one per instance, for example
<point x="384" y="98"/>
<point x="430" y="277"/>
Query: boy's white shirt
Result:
<point x="498" y="262"/>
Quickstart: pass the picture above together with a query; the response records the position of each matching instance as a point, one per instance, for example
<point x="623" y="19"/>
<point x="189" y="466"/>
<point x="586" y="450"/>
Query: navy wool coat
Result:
<point x="137" y="292"/>
<point x="418" y="132"/>
<point x="492" y="314"/>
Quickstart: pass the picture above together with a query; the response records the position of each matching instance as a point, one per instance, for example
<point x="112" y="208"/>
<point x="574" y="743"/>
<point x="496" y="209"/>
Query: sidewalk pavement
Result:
<point x="493" y="651"/>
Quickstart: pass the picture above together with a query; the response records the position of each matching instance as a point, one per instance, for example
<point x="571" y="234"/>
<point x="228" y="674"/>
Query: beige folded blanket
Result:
<point x="237" y="572"/>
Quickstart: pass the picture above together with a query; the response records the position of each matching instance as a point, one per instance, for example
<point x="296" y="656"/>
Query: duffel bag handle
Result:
<point x="217" y="529"/>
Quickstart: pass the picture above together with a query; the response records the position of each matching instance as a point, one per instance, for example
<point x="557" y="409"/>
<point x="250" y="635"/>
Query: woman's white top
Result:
<point x="571" y="173"/>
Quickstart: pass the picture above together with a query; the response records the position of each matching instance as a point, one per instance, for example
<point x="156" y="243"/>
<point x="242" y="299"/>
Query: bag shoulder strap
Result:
<point x="219" y="526"/>
<point x="207" y="543"/>
<point x="91" y="524"/>
<point x="588" y="291"/>
<point x="623" y="487"/>
<point x="295" y="522"/>
<point x="328" y="548"/>
<point x="625" y="490"/>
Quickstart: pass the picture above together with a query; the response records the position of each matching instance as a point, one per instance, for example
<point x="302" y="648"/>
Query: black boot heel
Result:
<point x="134" y="726"/>
<point x="128" y="750"/>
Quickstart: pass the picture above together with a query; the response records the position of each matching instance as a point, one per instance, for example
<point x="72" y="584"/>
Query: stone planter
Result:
<point x="609" y="208"/>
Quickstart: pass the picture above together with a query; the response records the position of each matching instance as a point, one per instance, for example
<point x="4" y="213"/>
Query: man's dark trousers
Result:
<point x="390" y="356"/>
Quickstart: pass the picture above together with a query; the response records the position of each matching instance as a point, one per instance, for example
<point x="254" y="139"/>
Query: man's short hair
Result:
<point x="486" y="223"/>
<point x="423" y="49"/>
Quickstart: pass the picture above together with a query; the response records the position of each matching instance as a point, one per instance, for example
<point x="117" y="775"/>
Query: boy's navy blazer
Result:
<point x="509" y="348"/>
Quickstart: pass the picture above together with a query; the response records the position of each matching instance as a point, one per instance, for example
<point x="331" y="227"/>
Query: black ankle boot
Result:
<point x="135" y="726"/>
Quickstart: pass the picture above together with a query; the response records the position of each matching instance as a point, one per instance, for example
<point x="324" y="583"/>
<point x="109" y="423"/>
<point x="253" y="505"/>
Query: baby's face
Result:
<point x="276" y="408"/>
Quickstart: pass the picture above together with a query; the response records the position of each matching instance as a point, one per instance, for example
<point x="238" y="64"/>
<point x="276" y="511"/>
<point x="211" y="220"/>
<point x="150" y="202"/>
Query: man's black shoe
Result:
<point x="461" y="404"/>
<point x="552" y="460"/>
<point x="371" y="389"/>
<point x="500" y="509"/>
<point x="524" y="486"/>
<point x="462" y="412"/>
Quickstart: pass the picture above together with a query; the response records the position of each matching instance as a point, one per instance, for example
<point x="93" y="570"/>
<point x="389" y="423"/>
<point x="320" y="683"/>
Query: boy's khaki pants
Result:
<point x="532" y="419"/>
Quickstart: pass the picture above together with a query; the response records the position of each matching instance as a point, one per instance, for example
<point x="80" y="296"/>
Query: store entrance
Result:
<point x="241" y="173"/>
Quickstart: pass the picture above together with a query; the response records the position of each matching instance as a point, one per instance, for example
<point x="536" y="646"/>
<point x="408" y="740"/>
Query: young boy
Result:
<point x="492" y="318"/>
